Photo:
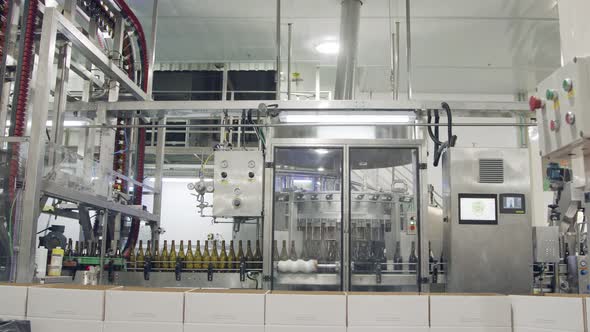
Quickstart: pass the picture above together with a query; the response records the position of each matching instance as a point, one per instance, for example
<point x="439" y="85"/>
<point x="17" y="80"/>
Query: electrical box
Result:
<point x="561" y="105"/>
<point x="546" y="244"/>
<point x="238" y="184"/>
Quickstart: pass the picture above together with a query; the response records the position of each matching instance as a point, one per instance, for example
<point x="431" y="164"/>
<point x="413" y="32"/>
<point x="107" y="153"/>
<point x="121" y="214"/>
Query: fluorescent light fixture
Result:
<point x="322" y="151"/>
<point x="321" y="169"/>
<point x="344" y="119"/>
<point x="328" y="47"/>
<point x="302" y="181"/>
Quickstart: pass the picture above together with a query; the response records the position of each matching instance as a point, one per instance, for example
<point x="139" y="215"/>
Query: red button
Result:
<point x="412" y="227"/>
<point x="554" y="125"/>
<point x="535" y="103"/>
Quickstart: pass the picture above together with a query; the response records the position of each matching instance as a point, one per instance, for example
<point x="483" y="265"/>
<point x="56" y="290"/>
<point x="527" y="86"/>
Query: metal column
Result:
<point x="152" y="55"/>
<point x="409" y="49"/>
<point x="347" y="58"/>
<point x="160" y="154"/>
<point x="289" y="60"/>
<point x="36" y="150"/>
<point x="278" y="50"/>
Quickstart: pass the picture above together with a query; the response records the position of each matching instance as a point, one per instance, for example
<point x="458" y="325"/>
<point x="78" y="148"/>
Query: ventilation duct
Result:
<point x="347" y="57"/>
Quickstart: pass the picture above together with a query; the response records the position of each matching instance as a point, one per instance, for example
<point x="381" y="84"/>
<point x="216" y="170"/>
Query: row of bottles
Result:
<point x="307" y="252"/>
<point x="91" y="249"/>
<point x="221" y="260"/>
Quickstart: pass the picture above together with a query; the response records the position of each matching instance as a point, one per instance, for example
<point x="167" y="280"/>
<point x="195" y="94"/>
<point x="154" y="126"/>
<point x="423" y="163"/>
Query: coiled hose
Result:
<point x="440" y="147"/>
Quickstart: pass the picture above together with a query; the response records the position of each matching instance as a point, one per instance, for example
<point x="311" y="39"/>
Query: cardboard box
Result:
<point x="473" y="329"/>
<point x="189" y="327"/>
<point x="554" y="313"/>
<point x="306" y="309"/>
<point x="470" y="311"/>
<point x="13" y="300"/>
<point x="303" y="328"/>
<point x="142" y="326"/>
<point x="67" y="302"/>
<point x="387" y="310"/>
<point x="217" y="307"/>
<point x="64" y="325"/>
<point x="136" y="304"/>
<point x="387" y="329"/>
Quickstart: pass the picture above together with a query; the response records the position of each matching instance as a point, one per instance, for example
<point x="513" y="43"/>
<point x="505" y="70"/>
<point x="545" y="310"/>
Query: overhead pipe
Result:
<point x="409" y="49"/>
<point x="289" y="60"/>
<point x="397" y="69"/>
<point x="347" y="57"/>
<point x="278" y="50"/>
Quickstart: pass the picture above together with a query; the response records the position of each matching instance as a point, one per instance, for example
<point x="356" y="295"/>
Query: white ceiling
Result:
<point x="459" y="46"/>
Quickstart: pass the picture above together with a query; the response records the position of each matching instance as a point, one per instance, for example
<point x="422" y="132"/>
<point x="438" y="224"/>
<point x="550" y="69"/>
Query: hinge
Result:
<point x="269" y="164"/>
<point x="423" y="166"/>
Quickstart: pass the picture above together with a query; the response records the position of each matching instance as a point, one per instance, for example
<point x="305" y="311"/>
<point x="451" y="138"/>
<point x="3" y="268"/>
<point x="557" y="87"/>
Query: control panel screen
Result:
<point x="512" y="204"/>
<point x="478" y="209"/>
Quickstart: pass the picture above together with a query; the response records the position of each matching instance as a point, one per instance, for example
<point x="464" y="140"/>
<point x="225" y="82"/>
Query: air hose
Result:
<point x="440" y="147"/>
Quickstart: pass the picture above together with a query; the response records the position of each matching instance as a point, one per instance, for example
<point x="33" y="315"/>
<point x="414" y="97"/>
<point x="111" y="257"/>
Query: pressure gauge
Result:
<point x="224" y="164"/>
<point x="191" y="186"/>
<point x="210" y="189"/>
<point x="251" y="164"/>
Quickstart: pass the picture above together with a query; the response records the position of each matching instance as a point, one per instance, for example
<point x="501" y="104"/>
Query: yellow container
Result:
<point x="57" y="256"/>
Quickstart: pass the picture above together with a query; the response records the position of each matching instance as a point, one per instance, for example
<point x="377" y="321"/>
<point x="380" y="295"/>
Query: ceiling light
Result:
<point x="328" y="47"/>
<point x="344" y="119"/>
<point x="321" y="169"/>
<point x="322" y="151"/>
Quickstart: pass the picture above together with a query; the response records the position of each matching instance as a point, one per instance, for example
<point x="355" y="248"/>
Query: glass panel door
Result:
<point x="384" y="242"/>
<point x="307" y="223"/>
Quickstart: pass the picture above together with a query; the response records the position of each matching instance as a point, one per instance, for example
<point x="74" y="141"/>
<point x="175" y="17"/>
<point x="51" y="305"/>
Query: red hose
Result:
<point x="23" y="93"/>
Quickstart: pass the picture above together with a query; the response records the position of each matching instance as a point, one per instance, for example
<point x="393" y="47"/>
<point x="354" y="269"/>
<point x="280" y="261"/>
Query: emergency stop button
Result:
<point x="535" y="103"/>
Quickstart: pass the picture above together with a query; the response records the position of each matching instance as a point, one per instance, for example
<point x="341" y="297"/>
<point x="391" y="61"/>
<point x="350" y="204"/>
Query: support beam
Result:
<point x="36" y="149"/>
<point x="347" y="57"/>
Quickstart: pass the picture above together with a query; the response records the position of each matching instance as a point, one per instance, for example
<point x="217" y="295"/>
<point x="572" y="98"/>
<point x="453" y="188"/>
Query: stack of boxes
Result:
<point x="391" y="312"/>
<point x="59" y="308"/>
<point x="224" y="311"/>
<point x="13" y="301"/>
<point x="470" y="313"/>
<point x="144" y="309"/>
<point x="305" y="311"/>
<point x="548" y="313"/>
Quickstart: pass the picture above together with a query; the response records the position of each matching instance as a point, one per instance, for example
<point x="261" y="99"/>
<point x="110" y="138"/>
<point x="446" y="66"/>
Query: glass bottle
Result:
<point x="398" y="261"/>
<point x="189" y="257"/>
<point x="118" y="250"/>
<point x="181" y="254"/>
<point x="84" y="252"/>
<point x="232" y="256"/>
<point x="69" y="249"/>
<point x="293" y="252"/>
<point x="140" y="257"/>
<point x="165" y="256"/>
<point x="132" y="258"/>
<point x="206" y="256"/>
<point x="240" y="253"/>
<point x="284" y="255"/>
<point x="223" y="257"/>
<point x="249" y="255"/>
<point x="275" y="251"/>
<point x="413" y="260"/>
<point x="157" y="256"/>
<point x="77" y="249"/>
<point x="198" y="260"/>
<point x="258" y="256"/>
<point x="172" y="256"/>
<point x="215" y="255"/>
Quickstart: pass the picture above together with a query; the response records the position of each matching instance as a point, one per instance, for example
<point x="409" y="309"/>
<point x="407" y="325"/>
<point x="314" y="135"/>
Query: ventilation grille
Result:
<point x="491" y="171"/>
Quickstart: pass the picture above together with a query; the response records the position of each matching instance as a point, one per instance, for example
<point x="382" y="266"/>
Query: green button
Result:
<point x="568" y="85"/>
<point x="551" y="94"/>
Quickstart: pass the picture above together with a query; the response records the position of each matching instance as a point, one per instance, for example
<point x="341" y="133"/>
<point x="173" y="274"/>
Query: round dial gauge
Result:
<point x="191" y="186"/>
<point x="210" y="189"/>
<point x="224" y="164"/>
<point x="251" y="164"/>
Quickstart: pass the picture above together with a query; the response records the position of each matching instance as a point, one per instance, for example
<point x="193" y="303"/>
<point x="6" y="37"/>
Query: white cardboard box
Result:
<point x="189" y="327"/>
<point x="470" y="311"/>
<point x="135" y="304"/>
<point x="64" y="325"/>
<point x="387" y="329"/>
<point x="303" y="328"/>
<point x="13" y="300"/>
<point x="555" y="313"/>
<point x="387" y="310"/>
<point x="306" y="309"/>
<point x="67" y="302"/>
<point x="142" y="326"/>
<point x="217" y="307"/>
<point x="471" y="329"/>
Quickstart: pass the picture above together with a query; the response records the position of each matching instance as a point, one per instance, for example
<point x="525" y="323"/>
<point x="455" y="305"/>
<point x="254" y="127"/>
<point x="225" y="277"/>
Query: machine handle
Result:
<point x="147" y="267"/>
<point x="178" y="269"/>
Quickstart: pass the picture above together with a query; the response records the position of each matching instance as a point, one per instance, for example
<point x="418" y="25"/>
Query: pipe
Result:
<point x="278" y="50"/>
<point x="409" y="49"/>
<point x="347" y="57"/>
<point x="397" y="69"/>
<point x="393" y="62"/>
<point x="289" y="57"/>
